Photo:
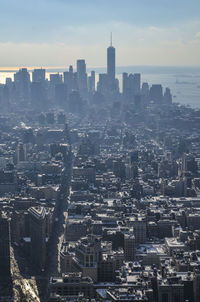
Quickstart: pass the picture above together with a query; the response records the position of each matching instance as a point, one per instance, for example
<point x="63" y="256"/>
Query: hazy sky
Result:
<point x="57" y="32"/>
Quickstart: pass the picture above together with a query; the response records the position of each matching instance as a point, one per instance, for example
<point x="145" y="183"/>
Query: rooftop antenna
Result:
<point x="111" y="39"/>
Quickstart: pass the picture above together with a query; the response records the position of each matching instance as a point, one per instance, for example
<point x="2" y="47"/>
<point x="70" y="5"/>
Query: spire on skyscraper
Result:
<point x="111" y="61"/>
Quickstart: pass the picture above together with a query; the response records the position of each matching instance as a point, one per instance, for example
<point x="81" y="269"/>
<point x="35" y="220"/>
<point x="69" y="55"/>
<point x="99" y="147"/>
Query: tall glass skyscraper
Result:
<point x="82" y="77"/>
<point x="111" y="62"/>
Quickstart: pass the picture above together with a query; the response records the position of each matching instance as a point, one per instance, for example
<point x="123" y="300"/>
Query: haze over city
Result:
<point x="99" y="151"/>
<point x="57" y="32"/>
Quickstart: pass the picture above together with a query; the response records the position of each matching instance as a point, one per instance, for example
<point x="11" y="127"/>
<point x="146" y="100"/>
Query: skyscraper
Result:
<point x="82" y="78"/>
<point x="136" y="83"/>
<point x="131" y="85"/>
<point x="38" y="236"/>
<point x="125" y="85"/>
<point x="111" y="62"/>
<point x="91" y="82"/>
<point x="156" y="93"/>
<point x="22" y="85"/>
<point x="129" y="247"/>
<point x="21" y="152"/>
<point x="69" y="79"/>
<point x="81" y="67"/>
<point x="4" y="247"/>
<point x="38" y="75"/>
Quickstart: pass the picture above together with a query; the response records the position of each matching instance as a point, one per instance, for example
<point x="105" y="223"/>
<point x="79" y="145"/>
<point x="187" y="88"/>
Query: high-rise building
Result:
<point x="38" y="236"/>
<point x="108" y="85"/>
<point x="156" y="93"/>
<point x="38" y="75"/>
<point x="76" y="103"/>
<point x="55" y="78"/>
<point x="111" y="62"/>
<point x="81" y="67"/>
<point x="102" y="85"/>
<point x="21" y="152"/>
<point x="87" y="255"/>
<point x="4" y="247"/>
<point x="38" y="88"/>
<point x="75" y="229"/>
<point x="139" y="226"/>
<point x="69" y="80"/>
<point x="70" y="287"/>
<point x="82" y="78"/>
<point x="8" y="81"/>
<point x="61" y="94"/>
<point x="91" y="82"/>
<point x="125" y="85"/>
<point x="196" y="285"/>
<point x="129" y="247"/>
<point x="131" y="86"/>
<point x="145" y="89"/>
<point x="170" y="290"/>
<point x="38" y="94"/>
<point x="167" y="96"/>
<point x="136" y="83"/>
<point x="22" y="85"/>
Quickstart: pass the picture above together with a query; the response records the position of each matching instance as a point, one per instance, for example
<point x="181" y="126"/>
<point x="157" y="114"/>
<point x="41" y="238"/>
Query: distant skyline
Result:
<point x="57" y="32"/>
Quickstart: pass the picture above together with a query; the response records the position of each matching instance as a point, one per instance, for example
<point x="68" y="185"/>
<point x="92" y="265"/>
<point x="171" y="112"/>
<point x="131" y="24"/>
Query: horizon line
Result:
<point x="64" y="67"/>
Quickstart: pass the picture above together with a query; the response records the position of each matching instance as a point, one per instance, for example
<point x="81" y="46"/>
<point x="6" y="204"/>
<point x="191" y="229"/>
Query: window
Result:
<point x="177" y="297"/>
<point x="165" y="297"/>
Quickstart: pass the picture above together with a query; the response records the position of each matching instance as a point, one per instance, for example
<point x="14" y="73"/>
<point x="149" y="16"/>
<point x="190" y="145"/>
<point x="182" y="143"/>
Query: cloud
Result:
<point x="48" y="54"/>
<point x="197" y="35"/>
<point x="174" y="45"/>
<point x="154" y="28"/>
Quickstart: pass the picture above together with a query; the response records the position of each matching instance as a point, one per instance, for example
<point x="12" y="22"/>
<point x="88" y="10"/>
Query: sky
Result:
<point x="58" y="32"/>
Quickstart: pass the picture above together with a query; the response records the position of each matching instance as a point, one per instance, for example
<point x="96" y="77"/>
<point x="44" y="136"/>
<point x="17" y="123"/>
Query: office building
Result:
<point x="129" y="247"/>
<point x="4" y="247"/>
<point x="156" y="93"/>
<point x="140" y="229"/>
<point x="91" y="82"/>
<point x="71" y="285"/>
<point x="38" y="95"/>
<point x="131" y="86"/>
<point x="82" y="78"/>
<point x="55" y="78"/>
<point x="38" y="75"/>
<point x="167" y="97"/>
<point x="111" y="63"/>
<point x="21" y="152"/>
<point x="87" y="256"/>
<point x="38" y="237"/>
<point x="22" y="85"/>
<point x="70" y="80"/>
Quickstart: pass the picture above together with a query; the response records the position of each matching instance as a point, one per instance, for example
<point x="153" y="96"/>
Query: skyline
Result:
<point x="57" y="32"/>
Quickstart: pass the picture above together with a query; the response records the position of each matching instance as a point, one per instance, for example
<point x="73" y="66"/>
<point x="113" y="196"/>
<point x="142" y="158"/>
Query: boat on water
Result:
<point x="183" y="82"/>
